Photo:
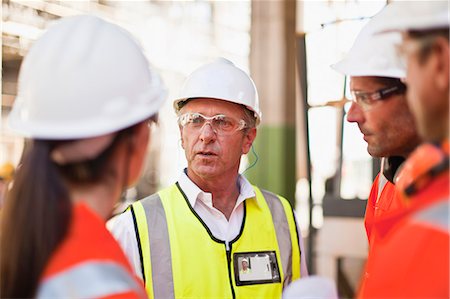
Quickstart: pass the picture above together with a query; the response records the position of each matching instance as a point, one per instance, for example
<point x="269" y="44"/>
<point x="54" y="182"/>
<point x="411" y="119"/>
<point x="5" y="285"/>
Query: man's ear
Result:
<point x="441" y="71"/>
<point x="248" y="140"/>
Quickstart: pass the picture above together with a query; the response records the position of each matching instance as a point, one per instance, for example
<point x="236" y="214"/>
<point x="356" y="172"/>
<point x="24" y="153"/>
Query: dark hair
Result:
<point x="35" y="219"/>
<point x="389" y="81"/>
<point x="37" y="213"/>
<point x="428" y="36"/>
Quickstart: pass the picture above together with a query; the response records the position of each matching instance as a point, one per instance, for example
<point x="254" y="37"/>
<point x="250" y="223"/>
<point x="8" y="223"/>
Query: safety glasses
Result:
<point x="366" y="99"/>
<point x="221" y="124"/>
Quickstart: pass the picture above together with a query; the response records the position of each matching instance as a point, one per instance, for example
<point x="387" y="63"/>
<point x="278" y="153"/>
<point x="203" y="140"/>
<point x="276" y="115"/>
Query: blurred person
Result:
<point x="412" y="257"/>
<point x="6" y="176"/>
<point x="213" y="215"/>
<point x="380" y="109"/>
<point x="85" y="97"/>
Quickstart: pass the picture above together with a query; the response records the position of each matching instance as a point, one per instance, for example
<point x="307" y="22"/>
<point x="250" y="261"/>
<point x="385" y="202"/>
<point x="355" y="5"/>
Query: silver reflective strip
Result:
<point x="382" y="180"/>
<point x="283" y="233"/>
<point x="90" y="280"/>
<point x="160" y="256"/>
<point x="436" y="216"/>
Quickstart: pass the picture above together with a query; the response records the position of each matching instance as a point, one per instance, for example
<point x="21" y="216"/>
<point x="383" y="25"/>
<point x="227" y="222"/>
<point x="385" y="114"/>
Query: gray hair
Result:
<point x="249" y="117"/>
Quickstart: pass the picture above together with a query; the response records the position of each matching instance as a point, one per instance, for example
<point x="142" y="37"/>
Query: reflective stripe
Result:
<point x="142" y="231"/>
<point x="382" y="180"/>
<point x="160" y="256"/>
<point x="282" y="231"/>
<point x="89" y="280"/>
<point x="293" y="230"/>
<point x="436" y="216"/>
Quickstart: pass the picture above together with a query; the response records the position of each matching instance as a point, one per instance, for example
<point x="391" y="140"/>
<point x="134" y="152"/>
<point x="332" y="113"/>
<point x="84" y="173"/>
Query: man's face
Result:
<point x="387" y="124"/>
<point x="427" y="89"/>
<point x="209" y="153"/>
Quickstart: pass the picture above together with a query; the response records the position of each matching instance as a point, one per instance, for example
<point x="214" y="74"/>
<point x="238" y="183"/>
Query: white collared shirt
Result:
<point x="201" y="201"/>
<point x="122" y="226"/>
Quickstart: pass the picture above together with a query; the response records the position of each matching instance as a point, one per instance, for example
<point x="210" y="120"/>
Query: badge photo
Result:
<point x="256" y="268"/>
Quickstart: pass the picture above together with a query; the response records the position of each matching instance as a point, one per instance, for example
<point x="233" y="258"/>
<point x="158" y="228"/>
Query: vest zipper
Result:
<point x="228" y="250"/>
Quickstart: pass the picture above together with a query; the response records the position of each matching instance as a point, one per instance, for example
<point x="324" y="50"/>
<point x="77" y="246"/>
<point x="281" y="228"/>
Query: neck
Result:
<point x="99" y="198"/>
<point x="224" y="190"/>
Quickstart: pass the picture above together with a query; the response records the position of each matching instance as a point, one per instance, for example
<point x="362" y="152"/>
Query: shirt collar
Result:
<point x="390" y="167"/>
<point x="193" y="192"/>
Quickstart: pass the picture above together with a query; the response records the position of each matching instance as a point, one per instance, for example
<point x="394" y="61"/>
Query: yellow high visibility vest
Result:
<point x="181" y="258"/>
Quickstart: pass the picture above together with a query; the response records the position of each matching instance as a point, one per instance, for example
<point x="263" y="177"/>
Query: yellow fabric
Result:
<point x="294" y="239"/>
<point x="145" y="245"/>
<point x="258" y="235"/>
<point x="293" y="231"/>
<point x="198" y="262"/>
<point x="200" y="265"/>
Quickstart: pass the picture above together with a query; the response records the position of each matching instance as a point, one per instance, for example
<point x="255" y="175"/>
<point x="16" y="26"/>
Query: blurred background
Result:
<point x="305" y="149"/>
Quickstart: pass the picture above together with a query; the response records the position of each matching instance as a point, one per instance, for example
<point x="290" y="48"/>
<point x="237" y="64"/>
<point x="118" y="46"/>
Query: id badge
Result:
<point x="256" y="268"/>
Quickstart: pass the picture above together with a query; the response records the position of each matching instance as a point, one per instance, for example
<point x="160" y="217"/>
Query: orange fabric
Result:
<point x="88" y="240"/>
<point x="389" y="201"/>
<point x="411" y="259"/>
<point x="423" y="158"/>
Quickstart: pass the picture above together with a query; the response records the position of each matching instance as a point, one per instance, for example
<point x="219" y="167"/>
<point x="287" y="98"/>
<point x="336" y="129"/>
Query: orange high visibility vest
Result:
<point x="411" y="259"/>
<point x="89" y="263"/>
<point x="383" y="199"/>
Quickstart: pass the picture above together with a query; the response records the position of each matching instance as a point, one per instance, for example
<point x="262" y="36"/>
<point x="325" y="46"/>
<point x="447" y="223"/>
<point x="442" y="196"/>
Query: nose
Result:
<point x="207" y="133"/>
<point x="355" y="114"/>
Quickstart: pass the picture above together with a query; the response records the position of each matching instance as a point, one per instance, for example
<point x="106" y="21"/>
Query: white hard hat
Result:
<point x="372" y="55"/>
<point x="414" y="15"/>
<point x="221" y="80"/>
<point x="83" y="78"/>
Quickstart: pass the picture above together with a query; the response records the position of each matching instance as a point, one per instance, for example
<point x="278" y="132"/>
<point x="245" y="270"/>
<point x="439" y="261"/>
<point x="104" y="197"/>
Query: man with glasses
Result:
<point x="186" y="241"/>
<point x="412" y="257"/>
<point x="380" y="109"/>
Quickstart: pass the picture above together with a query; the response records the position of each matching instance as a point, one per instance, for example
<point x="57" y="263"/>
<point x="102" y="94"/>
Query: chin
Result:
<point x="205" y="171"/>
<point x="376" y="153"/>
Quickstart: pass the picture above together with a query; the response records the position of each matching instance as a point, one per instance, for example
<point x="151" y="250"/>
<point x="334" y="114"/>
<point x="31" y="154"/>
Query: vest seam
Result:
<point x="198" y="217"/>
<point x="242" y="226"/>
<point x="230" y="276"/>
<point x="288" y="269"/>
<point x="296" y="233"/>
<point x="138" y="239"/>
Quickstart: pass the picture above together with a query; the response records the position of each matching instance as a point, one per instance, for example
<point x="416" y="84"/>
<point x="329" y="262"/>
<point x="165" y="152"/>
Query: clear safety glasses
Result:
<point x="221" y="124"/>
<point x="366" y="99"/>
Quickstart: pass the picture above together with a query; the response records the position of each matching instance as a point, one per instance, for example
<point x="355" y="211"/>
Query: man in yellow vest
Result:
<point x="187" y="241"/>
